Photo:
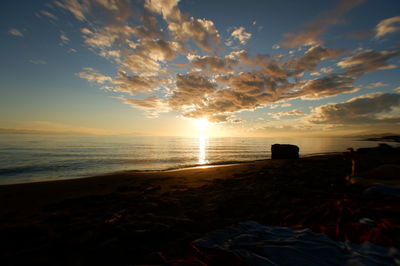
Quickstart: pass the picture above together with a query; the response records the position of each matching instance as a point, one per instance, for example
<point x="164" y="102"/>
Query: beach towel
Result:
<point x="256" y="244"/>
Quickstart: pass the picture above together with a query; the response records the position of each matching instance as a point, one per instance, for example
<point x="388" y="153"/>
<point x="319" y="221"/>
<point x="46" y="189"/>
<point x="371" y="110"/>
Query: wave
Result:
<point x="23" y="169"/>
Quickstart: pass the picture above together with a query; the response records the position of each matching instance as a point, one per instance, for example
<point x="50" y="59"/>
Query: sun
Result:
<point x="202" y="124"/>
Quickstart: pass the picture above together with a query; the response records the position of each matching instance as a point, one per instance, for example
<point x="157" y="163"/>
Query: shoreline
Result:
<point x="211" y="165"/>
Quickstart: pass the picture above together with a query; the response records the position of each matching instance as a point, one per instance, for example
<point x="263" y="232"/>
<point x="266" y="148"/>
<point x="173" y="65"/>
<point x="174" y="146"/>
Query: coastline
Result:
<point x="183" y="167"/>
<point x="35" y="159"/>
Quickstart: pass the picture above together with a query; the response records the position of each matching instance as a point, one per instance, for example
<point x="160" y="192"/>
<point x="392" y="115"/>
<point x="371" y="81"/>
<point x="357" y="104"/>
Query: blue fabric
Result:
<point x="270" y="245"/>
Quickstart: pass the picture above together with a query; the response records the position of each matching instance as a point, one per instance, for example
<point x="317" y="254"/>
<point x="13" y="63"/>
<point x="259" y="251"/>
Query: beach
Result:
<point x="130" y="218"/>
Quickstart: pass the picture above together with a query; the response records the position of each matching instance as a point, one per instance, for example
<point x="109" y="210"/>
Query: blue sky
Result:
<point x="250" y="68"/>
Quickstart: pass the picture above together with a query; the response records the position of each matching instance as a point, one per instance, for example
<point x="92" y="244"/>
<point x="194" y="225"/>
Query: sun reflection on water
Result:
<point x="202" y="149"/>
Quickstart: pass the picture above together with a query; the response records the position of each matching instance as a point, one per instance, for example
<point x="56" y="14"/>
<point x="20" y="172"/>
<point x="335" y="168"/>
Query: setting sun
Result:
<point x="202" y="124"/>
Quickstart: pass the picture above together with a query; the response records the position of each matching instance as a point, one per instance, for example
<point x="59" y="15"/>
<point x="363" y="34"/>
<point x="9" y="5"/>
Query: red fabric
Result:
<point x="339" y="216"/>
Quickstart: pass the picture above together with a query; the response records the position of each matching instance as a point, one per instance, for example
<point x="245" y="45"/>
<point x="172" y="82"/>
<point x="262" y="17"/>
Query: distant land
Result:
<point x="389" y="138"/>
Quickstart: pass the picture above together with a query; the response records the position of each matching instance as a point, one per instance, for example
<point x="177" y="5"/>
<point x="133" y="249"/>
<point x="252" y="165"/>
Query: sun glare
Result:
<point x="202" y="124"/>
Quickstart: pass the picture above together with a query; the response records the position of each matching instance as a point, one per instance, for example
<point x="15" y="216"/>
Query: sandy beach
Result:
<point x="142" y="218"/>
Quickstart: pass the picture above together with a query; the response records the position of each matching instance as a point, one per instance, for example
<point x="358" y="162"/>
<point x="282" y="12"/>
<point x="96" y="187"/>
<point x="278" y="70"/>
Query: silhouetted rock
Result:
<point x="284" y="151"/>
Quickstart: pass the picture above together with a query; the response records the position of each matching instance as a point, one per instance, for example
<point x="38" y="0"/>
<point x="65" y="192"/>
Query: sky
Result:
<point x="197" y="67"/>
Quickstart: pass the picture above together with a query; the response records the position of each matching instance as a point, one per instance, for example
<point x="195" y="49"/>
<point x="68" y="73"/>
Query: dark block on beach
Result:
<point x="284" y="151"/>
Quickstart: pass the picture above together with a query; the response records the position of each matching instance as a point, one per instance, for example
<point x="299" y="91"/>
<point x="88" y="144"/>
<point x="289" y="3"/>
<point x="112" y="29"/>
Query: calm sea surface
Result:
<point x="30" y="158"/>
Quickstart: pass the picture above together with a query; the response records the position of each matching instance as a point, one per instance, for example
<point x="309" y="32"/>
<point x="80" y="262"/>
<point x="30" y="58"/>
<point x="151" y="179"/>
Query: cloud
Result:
<point x="167" y="8"/>
<point x="312" y="57"/>
<point x="107" y="36"/>
<point x="236" y="120"/>
<point x="77" y="8"/>
<point x="248" y="83"/>
<point x="198" y="97"/>
<point x="98" y="14"/>
<point x="132" y="84"/>
<point x="368" y="109"/>
<point x="15" y="32"/>
<point x="270" y="65"/>
<point x="294" y="112"/>
<point x="64" y="38"/>
<point x="279" y="105"/>
<point x="142" y="51"/>
<point x="219" y="118"/>
<point x="311" y="32"/>
<point x="183" y="27"/>
<point x="160" y="50"/>
<point x="137" y="84"/>
<point x="151" y="105"/>
<point x="397" y="89"/>
<point x="138" y="63"/>
<point x="191" y="91"/>
<point x="326" y="69"/>
<point x="329" y="86"/>
<point x="201" y="31"/>
<point x="241" y="35"/>
<point x="48" y="14"/>
<point x="375" y="85"/>
<point x="147" y="103"/>
<point x="169" y="61"/>
<point x="387" y="26"/>
<point x="213" y="63"/>
<point x="257" y="89"/>
<point x="368" y="61"/>
<point x="149" y="31"/>
<point x="37" y="62"/>
<point x="92" y="75"/>
<point x="224" y="103"/>
<point x="276" y="67"/>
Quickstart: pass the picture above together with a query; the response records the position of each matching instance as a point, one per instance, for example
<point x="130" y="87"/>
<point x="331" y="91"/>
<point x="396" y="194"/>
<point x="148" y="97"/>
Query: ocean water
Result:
<point x="31" y="158"/>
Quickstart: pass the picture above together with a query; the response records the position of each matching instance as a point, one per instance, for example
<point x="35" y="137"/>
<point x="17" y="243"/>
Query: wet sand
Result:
<point x="132" y="218"/>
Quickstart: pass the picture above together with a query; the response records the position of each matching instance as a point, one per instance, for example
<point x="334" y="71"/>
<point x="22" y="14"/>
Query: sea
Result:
<point x="33" y="158"/>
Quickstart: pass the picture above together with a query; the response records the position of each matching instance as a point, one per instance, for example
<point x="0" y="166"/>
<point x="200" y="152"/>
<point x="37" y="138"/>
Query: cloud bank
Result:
<point x="169" y="61"/>
<point x="371" y="109"/>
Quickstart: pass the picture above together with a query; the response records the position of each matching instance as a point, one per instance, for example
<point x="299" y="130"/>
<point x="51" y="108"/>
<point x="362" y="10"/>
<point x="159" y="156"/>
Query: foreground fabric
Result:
<point x="256" y="244"/>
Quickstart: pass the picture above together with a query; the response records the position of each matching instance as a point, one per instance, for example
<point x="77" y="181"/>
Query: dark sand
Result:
<point x="132" y="218"/>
